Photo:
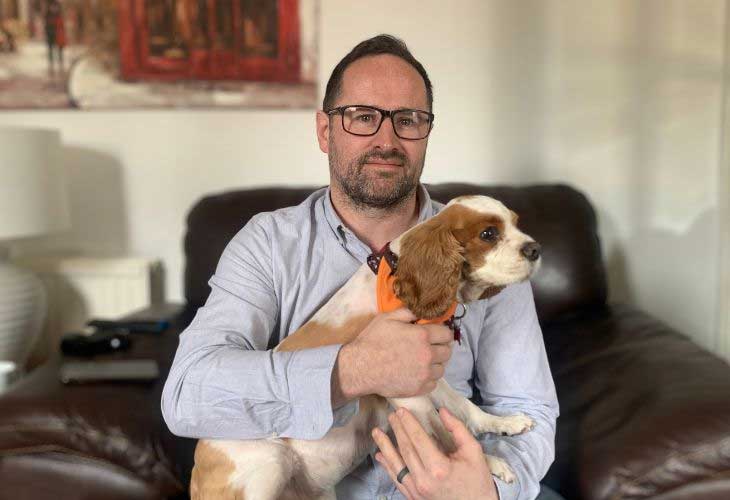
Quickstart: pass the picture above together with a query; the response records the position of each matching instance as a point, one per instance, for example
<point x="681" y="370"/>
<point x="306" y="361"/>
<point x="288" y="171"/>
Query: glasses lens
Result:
<point x="412" y="124"/>
<point x="361" y="120"/>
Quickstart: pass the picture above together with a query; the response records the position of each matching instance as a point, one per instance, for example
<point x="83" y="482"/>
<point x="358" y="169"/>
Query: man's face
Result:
<point x="382" y="170"/>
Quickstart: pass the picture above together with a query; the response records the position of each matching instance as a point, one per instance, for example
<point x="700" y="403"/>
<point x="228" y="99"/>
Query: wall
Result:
<point x="621" y="99"/>
<point x="723" y="340"/>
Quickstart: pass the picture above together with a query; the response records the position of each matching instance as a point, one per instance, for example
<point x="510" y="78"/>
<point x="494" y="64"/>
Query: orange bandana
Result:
<point x="387" y="301"/>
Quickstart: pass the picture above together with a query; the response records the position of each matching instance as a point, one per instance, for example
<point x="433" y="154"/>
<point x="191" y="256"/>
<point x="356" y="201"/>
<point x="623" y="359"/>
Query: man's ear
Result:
<point x="323" y="131"/>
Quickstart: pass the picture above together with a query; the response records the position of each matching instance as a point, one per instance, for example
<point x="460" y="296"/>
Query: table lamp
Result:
<point x="32" y="203"/>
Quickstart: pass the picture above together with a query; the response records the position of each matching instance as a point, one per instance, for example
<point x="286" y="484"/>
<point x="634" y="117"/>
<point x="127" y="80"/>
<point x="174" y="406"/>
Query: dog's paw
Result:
<point x="500" y="468"/>
<point x="516" y="424"/>
<point x="511" y="425"/>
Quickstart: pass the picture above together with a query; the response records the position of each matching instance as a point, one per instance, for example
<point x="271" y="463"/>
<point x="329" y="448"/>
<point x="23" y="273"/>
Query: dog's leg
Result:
<point x="423" y="409"/>
<point x="463" y="409"/>
<point x="474" y="417"/>
<point x="478" y="422"/>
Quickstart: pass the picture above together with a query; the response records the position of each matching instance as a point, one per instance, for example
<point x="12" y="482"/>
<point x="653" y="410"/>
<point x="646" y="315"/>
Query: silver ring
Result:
<point x="402" y="474"/>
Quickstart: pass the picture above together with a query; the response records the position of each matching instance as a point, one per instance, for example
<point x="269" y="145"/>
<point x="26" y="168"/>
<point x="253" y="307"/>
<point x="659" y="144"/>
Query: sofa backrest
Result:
<point x="560" y="218"/>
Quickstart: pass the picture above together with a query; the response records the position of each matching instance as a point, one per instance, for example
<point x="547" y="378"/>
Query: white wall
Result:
<point x="619" y="98"/>
<point x="723" y="302"/>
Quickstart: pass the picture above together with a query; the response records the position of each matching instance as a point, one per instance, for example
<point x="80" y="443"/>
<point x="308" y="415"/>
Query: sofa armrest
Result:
<point x="114" y="429"/>
<point x="645" y="413"/>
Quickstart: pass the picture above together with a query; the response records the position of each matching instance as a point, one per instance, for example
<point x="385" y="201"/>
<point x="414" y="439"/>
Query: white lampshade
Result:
<point x="33" y="202"/>
<point x="33" y="198"/>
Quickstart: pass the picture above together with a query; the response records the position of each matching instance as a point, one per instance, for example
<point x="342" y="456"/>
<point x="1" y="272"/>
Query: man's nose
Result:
<point x="386" y="137"/>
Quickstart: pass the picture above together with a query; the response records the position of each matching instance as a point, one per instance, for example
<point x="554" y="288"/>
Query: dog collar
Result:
<point x="386" y="253"/>
<point x="385" y="264"/>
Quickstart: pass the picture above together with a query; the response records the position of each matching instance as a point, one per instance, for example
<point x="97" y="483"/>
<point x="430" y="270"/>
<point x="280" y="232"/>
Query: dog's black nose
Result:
<point x="531" y="250"/>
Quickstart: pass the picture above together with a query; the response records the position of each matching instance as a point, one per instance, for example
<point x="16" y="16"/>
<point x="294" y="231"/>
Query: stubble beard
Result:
<point x="362" y="187"/>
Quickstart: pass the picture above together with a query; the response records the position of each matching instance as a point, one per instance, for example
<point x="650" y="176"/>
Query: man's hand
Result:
<point x="432" y="474"/>
<point x="393" y="358"/>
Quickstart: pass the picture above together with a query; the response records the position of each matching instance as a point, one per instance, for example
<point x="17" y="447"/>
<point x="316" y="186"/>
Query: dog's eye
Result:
<point x="490" y="234"/>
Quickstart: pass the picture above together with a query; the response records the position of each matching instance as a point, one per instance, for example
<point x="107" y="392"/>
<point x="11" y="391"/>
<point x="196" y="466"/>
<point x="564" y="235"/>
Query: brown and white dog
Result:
<point x="470" y="250"/>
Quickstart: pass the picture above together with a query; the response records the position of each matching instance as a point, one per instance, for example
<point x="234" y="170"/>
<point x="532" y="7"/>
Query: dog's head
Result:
<point x="469" y="251"/>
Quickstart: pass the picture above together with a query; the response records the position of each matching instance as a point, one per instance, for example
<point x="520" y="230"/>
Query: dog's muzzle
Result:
<point x="531" y="251"/>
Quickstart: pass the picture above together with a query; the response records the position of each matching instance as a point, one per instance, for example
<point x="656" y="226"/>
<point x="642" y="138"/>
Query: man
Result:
<point x="227" y="383"/>
<point x="55" y="34"/>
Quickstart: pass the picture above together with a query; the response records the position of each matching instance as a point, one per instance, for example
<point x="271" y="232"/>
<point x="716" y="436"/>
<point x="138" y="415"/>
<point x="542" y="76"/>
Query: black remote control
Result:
<point x="100" y="342"/>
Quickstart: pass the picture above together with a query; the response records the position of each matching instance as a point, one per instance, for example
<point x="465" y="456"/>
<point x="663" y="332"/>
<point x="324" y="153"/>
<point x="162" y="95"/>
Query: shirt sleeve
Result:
<point x="224" y="383"/>
<point x="513" y="376"/>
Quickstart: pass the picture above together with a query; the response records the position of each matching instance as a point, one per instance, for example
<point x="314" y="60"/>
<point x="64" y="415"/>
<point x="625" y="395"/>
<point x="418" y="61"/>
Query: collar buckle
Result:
<point x="373" y="260"/>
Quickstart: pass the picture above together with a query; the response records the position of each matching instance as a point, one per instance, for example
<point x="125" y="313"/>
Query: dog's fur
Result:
<point x="440" y="260"/>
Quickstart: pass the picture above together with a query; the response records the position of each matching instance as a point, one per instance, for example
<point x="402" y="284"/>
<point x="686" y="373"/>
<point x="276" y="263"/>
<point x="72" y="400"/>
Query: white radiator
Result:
<point x="80" y="288"/>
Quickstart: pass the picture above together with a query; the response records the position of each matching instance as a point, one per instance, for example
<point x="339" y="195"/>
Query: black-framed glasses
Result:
<point x="411" y="124"/>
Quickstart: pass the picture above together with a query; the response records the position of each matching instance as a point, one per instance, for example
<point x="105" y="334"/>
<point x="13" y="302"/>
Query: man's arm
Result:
<point x="224" y="383"/>
<point x="513" y="376"/>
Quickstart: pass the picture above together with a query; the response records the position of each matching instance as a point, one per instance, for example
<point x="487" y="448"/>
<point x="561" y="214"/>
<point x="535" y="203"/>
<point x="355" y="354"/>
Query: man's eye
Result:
<point x="490" y="234"/>
<point x="364" y="118"/>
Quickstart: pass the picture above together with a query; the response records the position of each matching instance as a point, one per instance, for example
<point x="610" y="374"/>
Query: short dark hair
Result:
<point x="381" y="44"/>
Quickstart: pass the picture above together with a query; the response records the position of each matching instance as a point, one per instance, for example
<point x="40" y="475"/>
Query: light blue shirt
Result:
<point x="227" y="383"/>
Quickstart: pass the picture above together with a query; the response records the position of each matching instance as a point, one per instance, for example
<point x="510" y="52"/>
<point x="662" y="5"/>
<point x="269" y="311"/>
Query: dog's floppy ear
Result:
<point x="429" y="269"/>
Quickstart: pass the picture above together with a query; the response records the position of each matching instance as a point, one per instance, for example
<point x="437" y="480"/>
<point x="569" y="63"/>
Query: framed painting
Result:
<point x="102" y="54"/>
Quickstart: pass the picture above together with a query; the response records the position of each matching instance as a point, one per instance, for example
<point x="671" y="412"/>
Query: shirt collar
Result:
<point x="425" y="211"/>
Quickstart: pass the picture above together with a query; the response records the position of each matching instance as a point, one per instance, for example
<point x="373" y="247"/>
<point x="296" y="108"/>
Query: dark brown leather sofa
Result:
<point x="645" y="413"/>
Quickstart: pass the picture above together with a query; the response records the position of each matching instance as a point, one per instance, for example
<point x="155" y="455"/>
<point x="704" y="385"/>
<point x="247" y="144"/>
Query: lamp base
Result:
<point x="22" y="311"/>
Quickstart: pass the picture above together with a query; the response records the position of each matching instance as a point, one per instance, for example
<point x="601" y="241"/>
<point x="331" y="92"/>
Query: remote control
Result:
<point x="100" y="342"/>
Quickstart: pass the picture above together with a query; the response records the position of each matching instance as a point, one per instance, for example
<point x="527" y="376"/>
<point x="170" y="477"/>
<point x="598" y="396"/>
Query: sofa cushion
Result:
<point x="643" y="410"/>
<point x="560" y="218"/>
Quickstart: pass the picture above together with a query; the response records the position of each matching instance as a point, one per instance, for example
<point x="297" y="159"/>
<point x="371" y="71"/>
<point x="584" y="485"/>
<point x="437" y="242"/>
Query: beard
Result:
<point x="375" y="189"/>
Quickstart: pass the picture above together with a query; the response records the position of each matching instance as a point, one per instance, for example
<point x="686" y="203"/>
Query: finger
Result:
<point x="414" y="465"/>
<point x="441" y="353"/>
<point x="406" y="448"/>
<point x="439" y="334"/>
<point x="388" y="451"/>
<point x="428" y="451"/>
<point x="461" y="435"/>
<point x="402" y="314"/>
<point x="391" y="460"/>
<point x="402" y="486"/>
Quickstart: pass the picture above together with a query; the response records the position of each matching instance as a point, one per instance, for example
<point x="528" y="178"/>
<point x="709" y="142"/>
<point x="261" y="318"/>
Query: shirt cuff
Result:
<point x="309" y="375"/>
<point x="343" y="414"/>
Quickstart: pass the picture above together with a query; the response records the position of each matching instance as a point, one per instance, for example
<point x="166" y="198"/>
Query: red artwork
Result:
<point x="122" y="54"/>
<point x="209" y="39"/>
